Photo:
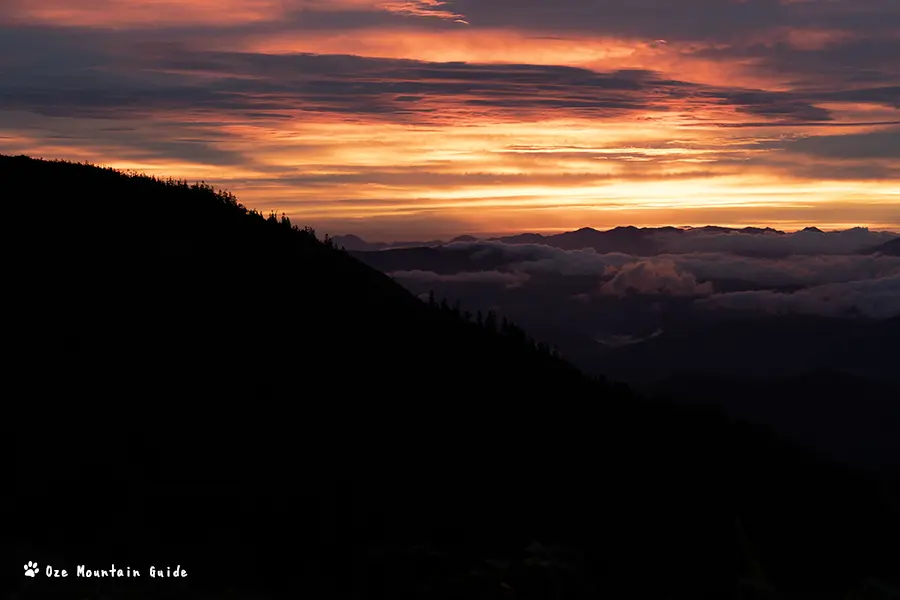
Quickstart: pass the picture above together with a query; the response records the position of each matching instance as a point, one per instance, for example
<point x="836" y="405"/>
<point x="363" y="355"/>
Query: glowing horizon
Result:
<point x="428" y="119"/>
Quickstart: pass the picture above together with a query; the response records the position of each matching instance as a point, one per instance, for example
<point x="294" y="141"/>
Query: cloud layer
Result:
<point x="874" y="298"/>
<point x="828" y="284"/>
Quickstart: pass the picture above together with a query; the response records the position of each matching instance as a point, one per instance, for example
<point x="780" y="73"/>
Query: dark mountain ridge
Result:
<point x="850" y="417"/>
<point x="202" y="385"/>
<point x="890" y="248"/>
<point x="725" y="344"/>
<point x="644" y="241"/>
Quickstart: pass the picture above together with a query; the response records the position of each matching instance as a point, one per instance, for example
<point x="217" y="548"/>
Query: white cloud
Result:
<point x="799" y="269"/>
<point x="654" y="277"/>
<point x="538" y="258"/>
<point x="830" y="284"/>
<point x="793" y="270"/>
<point x="875" y="298"/>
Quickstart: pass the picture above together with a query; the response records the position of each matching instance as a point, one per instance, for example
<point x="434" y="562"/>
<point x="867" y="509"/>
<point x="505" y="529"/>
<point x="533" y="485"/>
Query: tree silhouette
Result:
<point x="268" y="386"/>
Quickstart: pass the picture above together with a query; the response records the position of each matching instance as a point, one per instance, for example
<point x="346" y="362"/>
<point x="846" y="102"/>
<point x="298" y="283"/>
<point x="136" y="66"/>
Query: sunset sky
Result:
<point x="421" y="118"/>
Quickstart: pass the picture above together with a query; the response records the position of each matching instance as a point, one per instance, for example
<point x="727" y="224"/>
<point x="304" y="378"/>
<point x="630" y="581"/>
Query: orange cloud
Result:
<point x="508" y="46"/>
<point x="422" y="8"/>
<point x="146" y="14"/>
<point x="424" y="125"/>
<point x="149" y="14"/>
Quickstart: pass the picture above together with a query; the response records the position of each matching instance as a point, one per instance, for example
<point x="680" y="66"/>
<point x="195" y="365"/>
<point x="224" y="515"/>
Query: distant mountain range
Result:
<point x="651" y="241"/>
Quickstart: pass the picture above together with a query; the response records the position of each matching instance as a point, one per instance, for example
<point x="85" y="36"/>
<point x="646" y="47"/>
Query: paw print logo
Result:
<point x="31" y="569"/>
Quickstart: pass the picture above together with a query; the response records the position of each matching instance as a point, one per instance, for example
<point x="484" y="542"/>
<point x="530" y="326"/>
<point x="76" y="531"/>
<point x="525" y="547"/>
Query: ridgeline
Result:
<point x="204" y="385"/>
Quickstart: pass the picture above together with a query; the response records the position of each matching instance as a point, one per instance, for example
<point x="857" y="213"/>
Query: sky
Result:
<point x="423" y="119"/>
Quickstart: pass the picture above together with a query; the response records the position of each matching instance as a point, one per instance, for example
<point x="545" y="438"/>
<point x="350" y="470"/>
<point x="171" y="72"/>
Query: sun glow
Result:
<point x="411" y="116"/>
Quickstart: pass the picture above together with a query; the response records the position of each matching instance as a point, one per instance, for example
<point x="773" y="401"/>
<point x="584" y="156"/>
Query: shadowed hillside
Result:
<point x="201" y="385"/>
<point x="891" y="248"/>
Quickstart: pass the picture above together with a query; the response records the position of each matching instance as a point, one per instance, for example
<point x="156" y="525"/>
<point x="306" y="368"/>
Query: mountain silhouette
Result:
<point x="862" y="430"/>
<point x="199" y="384"/>
<point x="652" y="241"/>
<point x="464" y="238"/>
<point x="891" y="248"/>
<point x="629" y="240"/>
<point x="523" y="238"/>
<point x="354" y="242"/>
